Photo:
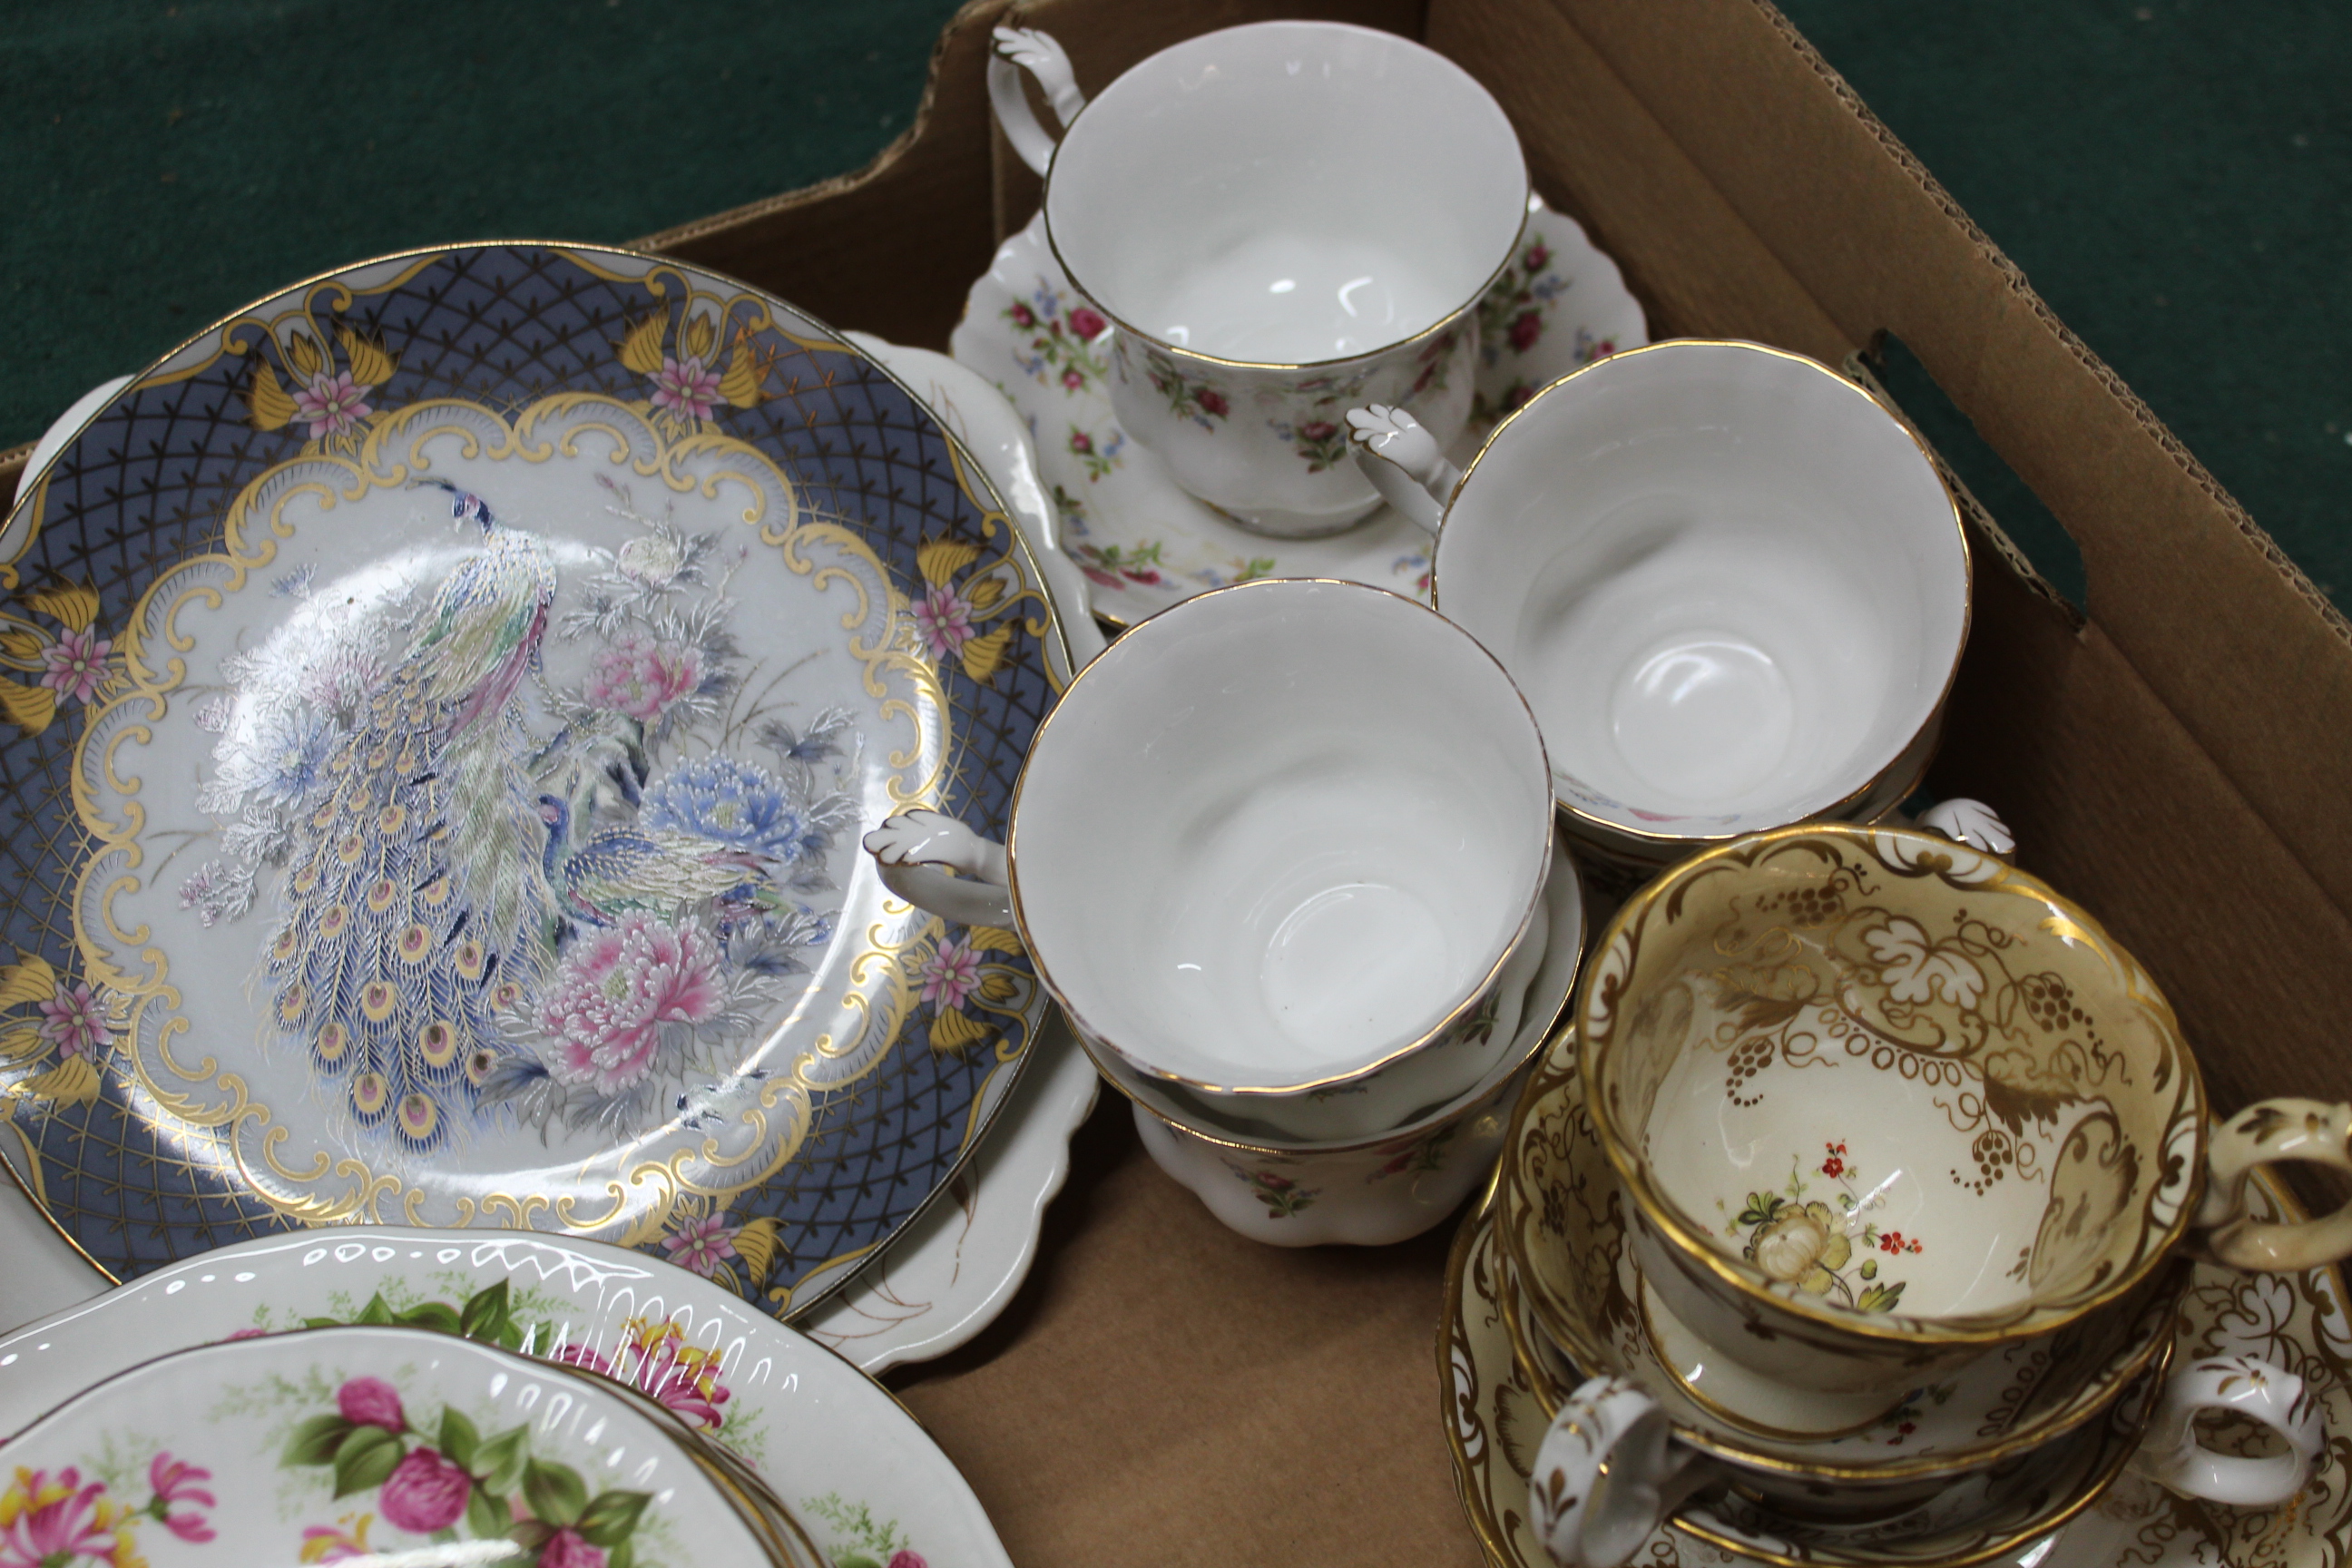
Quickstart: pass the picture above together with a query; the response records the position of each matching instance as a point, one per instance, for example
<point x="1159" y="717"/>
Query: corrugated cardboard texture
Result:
<point x="1166" y="1393"/>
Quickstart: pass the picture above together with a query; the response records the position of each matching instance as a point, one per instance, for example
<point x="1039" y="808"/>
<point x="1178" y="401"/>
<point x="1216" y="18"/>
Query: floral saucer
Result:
<point x="864" y="1479"/>
<point x="379" y="1444"/>
<point x="414" y="825"/>
<point x="1143" y="541"/>
<point x="1493" y="1422"/>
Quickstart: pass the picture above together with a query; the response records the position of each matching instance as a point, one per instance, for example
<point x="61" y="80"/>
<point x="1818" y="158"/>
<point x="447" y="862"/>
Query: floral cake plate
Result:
<point x="1494" y="1423"/>
<point x="378" y="1444"/>
<point x="864" y="1479"/>
<point x="409" y="823"/>
<point x="1142" y="540"/>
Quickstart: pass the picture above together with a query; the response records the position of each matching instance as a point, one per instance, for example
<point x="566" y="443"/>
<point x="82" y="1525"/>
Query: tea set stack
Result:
<point x="618" y="812"/>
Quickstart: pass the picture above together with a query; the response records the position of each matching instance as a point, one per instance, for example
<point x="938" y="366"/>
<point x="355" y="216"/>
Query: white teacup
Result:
<point x="1730" y="584"/>
<point x="1274" y="223"/>
<point x="1275" y="841"/>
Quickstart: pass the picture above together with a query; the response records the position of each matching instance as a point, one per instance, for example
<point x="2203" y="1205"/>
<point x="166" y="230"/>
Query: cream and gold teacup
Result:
<point x="1881" y="1104"/>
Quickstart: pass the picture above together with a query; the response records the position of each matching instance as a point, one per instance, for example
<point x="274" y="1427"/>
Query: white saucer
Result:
<point x="1142" y="542"/>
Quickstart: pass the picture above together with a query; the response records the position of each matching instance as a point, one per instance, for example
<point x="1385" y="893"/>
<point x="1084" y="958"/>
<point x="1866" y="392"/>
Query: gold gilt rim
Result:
<point x="1452" y="317"/>
<point x="1483" y="1218"/>
<point x="968" y="468"/>
<point x="1087" y="1033"/>
<point x="1651" y="836"/>
<point x="2119" y="1451"/>
<point x="2053" y="1425"/>
<point x="1691" y="1244"/>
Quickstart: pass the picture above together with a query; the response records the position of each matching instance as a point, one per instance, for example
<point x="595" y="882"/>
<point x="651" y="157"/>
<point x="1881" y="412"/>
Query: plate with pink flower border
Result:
<point x="1144" y="542"/>
<point x="374" y="1444"/>
<point x="865" y="1481"/>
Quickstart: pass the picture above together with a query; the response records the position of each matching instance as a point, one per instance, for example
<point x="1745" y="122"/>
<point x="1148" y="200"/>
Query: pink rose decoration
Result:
<point x="1022" y="316"/>
<point x="1525" y="328"/>
<point x="949" y="975"/>
<point x="644" y="678"/>
<point x="75" y="665"/>
<point x="1088" y="324"/>
<point x="616" y="990"/>
<point x="425" y="1493"/>
<point x="687" y="387"/>
<point x="1213" y="402"/>
<point x="568" y="1549"/>
<point x="907" y="1560"/>
<point x="332" y="404"/>
<point x="1318" y="430"/>
<point x="370" y="1402"/>
<point x="73" y="1021"/>
<point x="1536" y="256"/>
<point x="1074" y="378"/>
<point x="702" y="1244"/>
<point x="943" y="620"/>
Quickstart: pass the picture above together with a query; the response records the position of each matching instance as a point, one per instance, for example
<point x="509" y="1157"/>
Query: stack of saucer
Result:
<point x="1844" y="1225"/>
<point x="382" y="1443"/>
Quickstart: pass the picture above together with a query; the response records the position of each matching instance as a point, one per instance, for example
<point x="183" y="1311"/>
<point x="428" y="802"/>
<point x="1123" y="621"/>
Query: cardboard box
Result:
<point x="1165" y="1393"/>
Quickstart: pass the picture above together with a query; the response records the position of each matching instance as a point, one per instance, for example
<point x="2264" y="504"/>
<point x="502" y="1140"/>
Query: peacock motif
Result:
<point x="508" y="895"/>
<point x="412" y="903"/>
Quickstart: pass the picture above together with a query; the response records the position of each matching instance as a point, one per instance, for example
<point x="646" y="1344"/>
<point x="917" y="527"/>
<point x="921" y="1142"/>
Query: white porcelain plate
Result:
<point x="864" y="1479"/>
<point x="1142" y="542"/>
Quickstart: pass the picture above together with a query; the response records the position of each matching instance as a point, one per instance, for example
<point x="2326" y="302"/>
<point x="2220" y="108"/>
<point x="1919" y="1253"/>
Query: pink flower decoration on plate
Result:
<point x="687" y="387"/>
<point x="332" y="404"/>
<point x="425" y="1493"/>
<point x="75" y="665"/>
<point x="569" y="1548"/>
<point x="1213" y="402"/>
<point x="616" y="990"/>
<point x="644" y="678"/>
<point x="907" y="1560"/>
<point x="75" y="1023"/>
<point x="1088" y="325"/>
<point x="56" y="1519"/>
<point x="175" y="1480"/>
<point x="943" y="620"/>
<point x="703" y="1244"/>
<point x="950" y="975"/>
<point x="371" y="1402"/>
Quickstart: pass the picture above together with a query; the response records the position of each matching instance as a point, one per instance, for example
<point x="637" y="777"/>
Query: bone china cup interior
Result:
<point x="1280" y="835"/>
<point x="1271" y="205"/>
<point x="1730" y="584"/>
<point x="1881" y="1103"/>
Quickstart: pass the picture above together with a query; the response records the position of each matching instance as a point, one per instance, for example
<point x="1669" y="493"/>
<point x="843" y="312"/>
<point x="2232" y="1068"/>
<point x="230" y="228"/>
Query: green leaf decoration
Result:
<point x="532" y="1534"/>
<point x="458" y="1439"/>
<point x="438" y="1316"/>
<point x="612" y="1517"/>
<point x="315" y="1441"/>
<point x="366" y="1459"/>
<point x="378" y="1312"/>
<point x="855" y="1560"/>
<point x="486" y="1314"/>
<point x="486" y="1514"/>
<point x="1870" y="1269"/>
<point x="624" y="1555"/>
<point x="1762" y="1209"/>
<point x="1880" y="1298"/>
<point x="498" y="1461"/>
<point x="555" y="1492"/>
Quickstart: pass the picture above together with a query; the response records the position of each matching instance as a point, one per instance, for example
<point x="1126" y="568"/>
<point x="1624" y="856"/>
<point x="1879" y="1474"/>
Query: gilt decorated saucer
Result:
<point x="441" y="702"/>
<point x="1145" y="544"/>
<point x="1495" y="1420"/>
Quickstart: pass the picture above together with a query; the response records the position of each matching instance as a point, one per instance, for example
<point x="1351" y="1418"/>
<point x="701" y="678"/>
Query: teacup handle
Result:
<point x="906" y="846"/>
<point x="1607" y="1474"/>
<point x="2171" y="1456"/>
<point x="1042" y="58"/>
<point x="1973" y="822"/>
<point x="2264" y="1132"/>
<point x="1403" y="462"/>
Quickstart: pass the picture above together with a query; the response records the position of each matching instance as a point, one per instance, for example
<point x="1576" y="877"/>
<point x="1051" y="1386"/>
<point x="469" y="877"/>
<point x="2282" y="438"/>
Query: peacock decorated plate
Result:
<point x="438" y="709"/>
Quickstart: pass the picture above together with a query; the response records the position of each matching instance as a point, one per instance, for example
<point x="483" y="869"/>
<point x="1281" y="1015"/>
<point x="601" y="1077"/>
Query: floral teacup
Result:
<point x="1279" y="842"/>
<point x="1881" y="1104"/>
<point x="1730" y="583"/>
<point x="1274" y="223"/>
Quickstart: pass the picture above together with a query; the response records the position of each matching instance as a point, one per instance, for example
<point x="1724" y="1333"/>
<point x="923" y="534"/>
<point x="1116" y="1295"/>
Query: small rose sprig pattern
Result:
<point x="435" y="1478"/>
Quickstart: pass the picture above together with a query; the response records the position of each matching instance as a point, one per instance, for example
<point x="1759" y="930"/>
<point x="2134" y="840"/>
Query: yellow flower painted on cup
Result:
<point x="1802" y="1247"/>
